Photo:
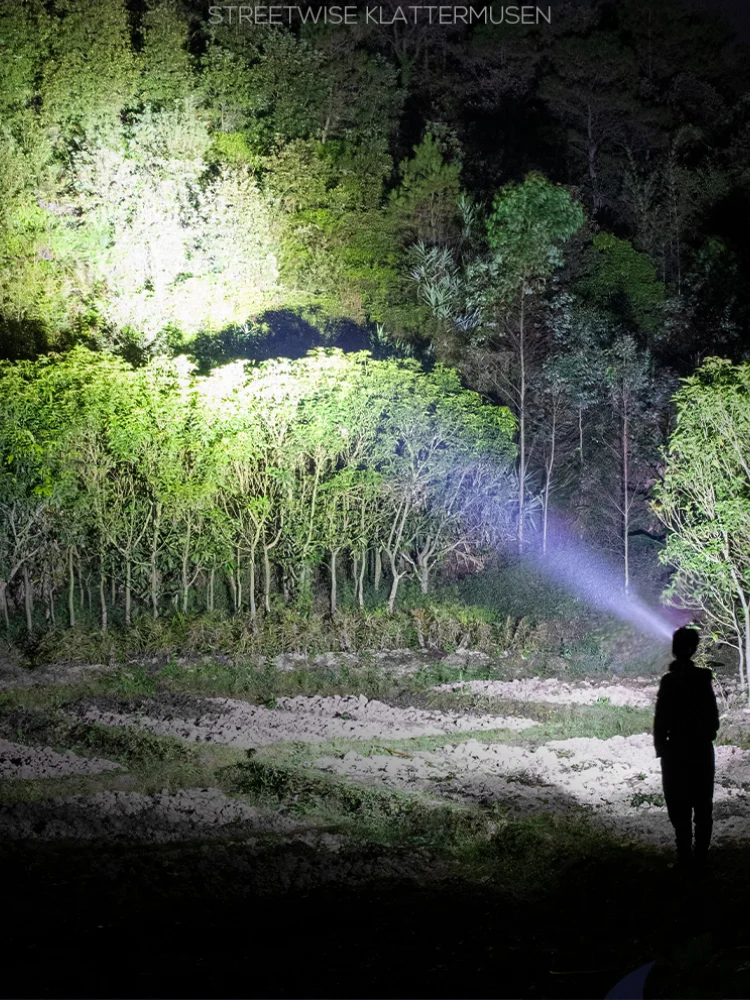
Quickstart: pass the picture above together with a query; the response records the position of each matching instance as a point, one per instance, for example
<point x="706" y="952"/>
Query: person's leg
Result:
<point x="703" y="802"/>
<point x="676" y="787"/>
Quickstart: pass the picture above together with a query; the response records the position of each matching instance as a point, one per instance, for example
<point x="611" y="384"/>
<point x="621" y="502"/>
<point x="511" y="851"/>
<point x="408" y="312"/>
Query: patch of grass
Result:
<point x="647" y="798"/>
<point x="443" y="622"/>
<point x="252" y="683"/>
<point x="524" y="855"/>
<point x="135" y="748"/>
<point x="151" y="762"/>
<point x="16" y="790"/>
<point x="601" y="720"/>
<point x="295" y="753"/>
<point x="362" y="813"/>
<point x="130" y="680"/>
<point x="47" y="697"/>
<point x="733" y="735"/>
<point x="42" y="727"/>
<point x="586" y="657"/>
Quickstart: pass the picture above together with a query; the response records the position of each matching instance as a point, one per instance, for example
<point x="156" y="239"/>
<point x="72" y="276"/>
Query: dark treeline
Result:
<point x="556" y="212"/>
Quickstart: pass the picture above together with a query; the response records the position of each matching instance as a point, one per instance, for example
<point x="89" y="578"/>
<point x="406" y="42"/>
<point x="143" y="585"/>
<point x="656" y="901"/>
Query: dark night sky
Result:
<point x="737" y="12"/>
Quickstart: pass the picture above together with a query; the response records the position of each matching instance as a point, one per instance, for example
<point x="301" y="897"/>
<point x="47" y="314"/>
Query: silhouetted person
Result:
<point x="685" y="725"/>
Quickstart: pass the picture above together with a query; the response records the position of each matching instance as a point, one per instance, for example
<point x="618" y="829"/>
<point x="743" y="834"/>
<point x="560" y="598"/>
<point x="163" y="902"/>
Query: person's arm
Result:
<point x="661" y="718"/>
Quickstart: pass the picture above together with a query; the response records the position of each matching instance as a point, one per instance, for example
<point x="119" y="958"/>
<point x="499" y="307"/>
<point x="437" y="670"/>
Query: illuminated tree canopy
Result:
<point x="705" y="500"/>
<point x="167" y="486"/>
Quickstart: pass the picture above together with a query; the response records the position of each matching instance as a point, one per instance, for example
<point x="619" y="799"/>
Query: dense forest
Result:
<point x="505" y="245"/>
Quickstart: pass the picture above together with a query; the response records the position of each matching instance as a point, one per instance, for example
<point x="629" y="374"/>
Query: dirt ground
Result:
<point x="301" y="719"/>
<point x="192" y="867"/>
<point x="617" y="781"/>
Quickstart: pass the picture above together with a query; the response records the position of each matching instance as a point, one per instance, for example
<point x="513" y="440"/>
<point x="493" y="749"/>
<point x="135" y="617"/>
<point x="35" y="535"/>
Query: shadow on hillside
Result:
<point x="277" y="333"/>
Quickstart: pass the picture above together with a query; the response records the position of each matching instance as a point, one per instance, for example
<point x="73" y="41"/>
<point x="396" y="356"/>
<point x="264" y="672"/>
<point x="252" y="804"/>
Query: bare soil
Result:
<point x="192" y="892"/>
<point x="636" y="692"/>
<point x="17" y="760"/>
<point x="301" y="719"/>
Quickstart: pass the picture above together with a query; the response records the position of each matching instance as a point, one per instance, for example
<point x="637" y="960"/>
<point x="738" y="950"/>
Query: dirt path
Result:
<point x="133" y="817"/>
<point x="20" y="761"/>
<point x="638" y="693"/>
<point x="303" y="719"/>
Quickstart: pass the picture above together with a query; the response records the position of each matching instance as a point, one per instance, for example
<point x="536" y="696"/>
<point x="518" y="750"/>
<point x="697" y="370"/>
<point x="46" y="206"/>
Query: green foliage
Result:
<point x="624" y="283"/>
<point x="425" y="205"/>
<point x="24" y="41"/>
<point x="90" y="76"/>
<point x="165" y="64"/>
<point x="156" y="481"/>
<point x="167" y="181"/>
<point x="704" y="499"/>
<point x="130" y="681"/>
<point x="131" y="746"/>
<point x="528" y="223"/>
<point x="375" y="815"/>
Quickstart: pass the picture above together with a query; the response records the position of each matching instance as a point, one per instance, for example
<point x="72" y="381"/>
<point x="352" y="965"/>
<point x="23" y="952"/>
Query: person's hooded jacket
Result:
<point x="687" y="716"/>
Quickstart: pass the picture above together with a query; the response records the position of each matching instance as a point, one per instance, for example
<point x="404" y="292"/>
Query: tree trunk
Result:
<point x="741" y="652"/>
<point x="102" y="598"/>
<point x="266" y="580"/>
<point x="378" y="569"/>
<point x="591" y="155"/>
<point x="394" y="590"/>
<point x="625" y="489"/>
<point x="127" y="592"/>
<point x="746" y="616"/>
<point x="233" y="589"/>
<point x="251" y="589"/>
<point x="71" y="590"/>
<point x="238" y="591"/>
<point x="28" y="600"/>
<point x="521" y="425"/>
<point x="304" y="586"/>
<point x="334" y="556"/>
<point x="4" y="602"/>
<point x="210" y="599"/>
<point x="363" y="564"/>
<point x="50" y="596"/>
<point x="549" y="465"/>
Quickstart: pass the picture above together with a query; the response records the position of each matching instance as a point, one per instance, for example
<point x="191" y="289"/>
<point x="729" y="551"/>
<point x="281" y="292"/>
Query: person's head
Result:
<point x="684" y="643"/>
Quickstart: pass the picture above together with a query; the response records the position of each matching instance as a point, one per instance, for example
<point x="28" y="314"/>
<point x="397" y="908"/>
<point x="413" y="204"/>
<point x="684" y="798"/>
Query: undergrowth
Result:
<point x="523" y="853"/>
<point x="441" y="626"/>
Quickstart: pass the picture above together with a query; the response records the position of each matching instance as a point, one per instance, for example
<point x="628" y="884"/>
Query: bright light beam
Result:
<point x="574" y="566"/>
